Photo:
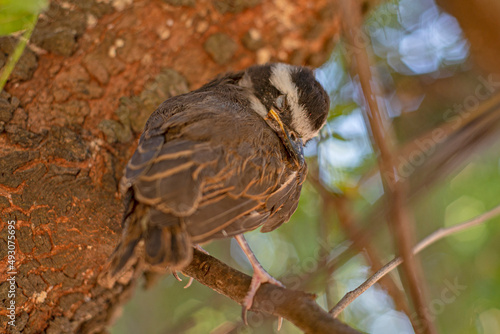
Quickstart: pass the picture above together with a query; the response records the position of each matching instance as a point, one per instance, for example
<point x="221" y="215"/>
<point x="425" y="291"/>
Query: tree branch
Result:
<point x="429" y="240"/>
<point x="383" y="138"/>
<point x="295" y="306"/>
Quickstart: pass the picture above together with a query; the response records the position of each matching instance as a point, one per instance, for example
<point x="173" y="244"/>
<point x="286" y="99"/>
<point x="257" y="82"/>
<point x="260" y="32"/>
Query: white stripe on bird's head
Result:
<point x="281" y="78"/>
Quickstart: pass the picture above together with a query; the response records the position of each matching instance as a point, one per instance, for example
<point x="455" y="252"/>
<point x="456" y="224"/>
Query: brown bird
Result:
<point x="217" y="162"/>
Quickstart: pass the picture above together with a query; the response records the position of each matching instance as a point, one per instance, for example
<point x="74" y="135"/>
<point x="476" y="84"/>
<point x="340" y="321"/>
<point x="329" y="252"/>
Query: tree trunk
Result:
<point x="70" y="116"/>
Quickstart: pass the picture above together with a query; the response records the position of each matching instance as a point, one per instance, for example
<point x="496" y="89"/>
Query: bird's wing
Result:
<point x="220" y="172"/>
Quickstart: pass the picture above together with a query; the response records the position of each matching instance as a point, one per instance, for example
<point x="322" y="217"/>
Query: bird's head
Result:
<point x="291" y="101"/>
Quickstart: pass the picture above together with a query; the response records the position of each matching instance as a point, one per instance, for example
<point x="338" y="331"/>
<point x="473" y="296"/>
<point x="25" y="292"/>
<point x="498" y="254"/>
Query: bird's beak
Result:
<point x="295" y="147"/>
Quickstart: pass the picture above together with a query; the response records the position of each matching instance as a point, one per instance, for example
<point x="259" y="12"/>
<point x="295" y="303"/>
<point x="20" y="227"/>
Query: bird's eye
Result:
<point x="293" y="136"/>
<point x="280" y="102"/>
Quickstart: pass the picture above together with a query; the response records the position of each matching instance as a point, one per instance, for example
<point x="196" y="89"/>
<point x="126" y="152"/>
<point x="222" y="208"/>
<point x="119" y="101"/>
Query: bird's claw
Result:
<point x="189" y="283"/>
<point x="198" y="247"/>
<point x="174" y="273"/>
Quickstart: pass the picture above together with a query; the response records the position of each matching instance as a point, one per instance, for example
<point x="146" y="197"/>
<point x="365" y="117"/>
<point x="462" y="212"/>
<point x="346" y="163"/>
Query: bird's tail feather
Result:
<point x="128" y="254"/>
<point x="167" y="246"/>
<point x="145" y="246"/>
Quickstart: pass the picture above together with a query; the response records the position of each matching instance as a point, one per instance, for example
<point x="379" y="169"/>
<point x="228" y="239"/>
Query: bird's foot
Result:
<point x="259" y="276"/>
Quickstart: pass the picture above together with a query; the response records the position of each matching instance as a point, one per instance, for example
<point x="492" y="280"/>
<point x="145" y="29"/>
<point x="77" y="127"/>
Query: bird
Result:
<point x="217" y="162"/>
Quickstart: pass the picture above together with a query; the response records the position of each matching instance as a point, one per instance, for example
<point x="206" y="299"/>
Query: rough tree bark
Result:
<point x="70" y="116"/>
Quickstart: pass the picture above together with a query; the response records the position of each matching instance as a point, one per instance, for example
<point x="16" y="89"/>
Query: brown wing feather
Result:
<point x="284" y="201"/>
<point x="199" y="183"/>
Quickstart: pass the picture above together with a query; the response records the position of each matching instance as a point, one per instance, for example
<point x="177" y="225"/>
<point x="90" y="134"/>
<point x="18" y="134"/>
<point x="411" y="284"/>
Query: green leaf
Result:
<point x="14" y="22"/>
<point x="32" y="6"/>
<point x="18" y="15"/>
<point x="338" y="136"/>
<point x="342" y="109"/>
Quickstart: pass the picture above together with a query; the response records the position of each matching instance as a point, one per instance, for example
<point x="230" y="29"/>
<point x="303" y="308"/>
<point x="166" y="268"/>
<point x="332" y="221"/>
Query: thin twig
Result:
<point x="429" y="240"/>
<point x="360" y="239"/>
<point x="371" y="254"/>
<point x="384" y="139"/>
